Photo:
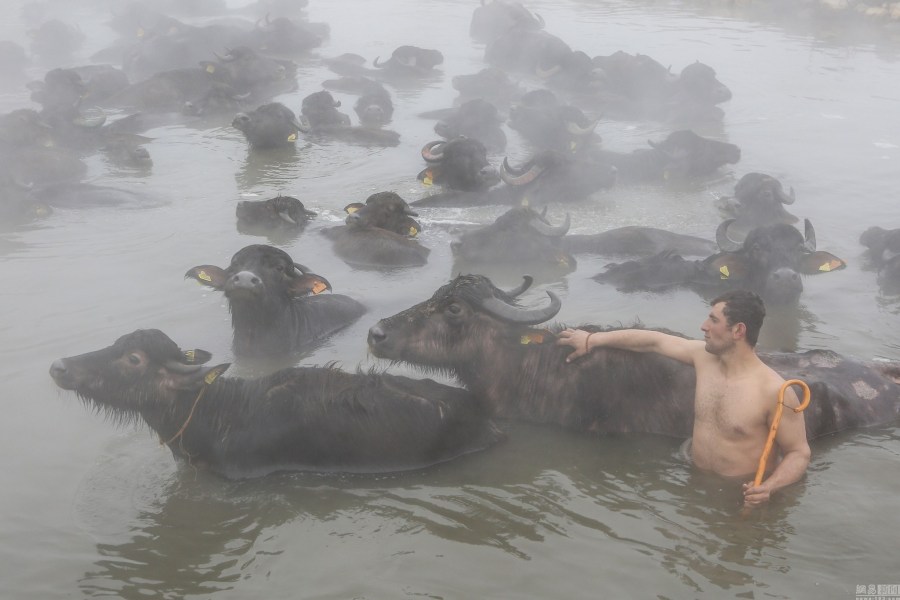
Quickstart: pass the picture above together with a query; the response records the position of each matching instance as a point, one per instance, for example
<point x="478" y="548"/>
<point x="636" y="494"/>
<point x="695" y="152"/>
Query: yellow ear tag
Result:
<point x="563" y="261"/>
<point x="428" y="179"/>
<point x="413" y="232"/>
<point x="210" y="68"/>
<point x="319" y="287"/>
<point x="212" y="375"/>
<point x="666" y="175"/>
<point x="525" y="201"/>
<point x="573" y="146"/>
<point x="202" y="275"/>
<point x="351" y="209"/>
<point x="140" y="32"/>
<point x="190" y="355"/>
<point x="292" y="137"/>
<point x="724" y="271"/>
<point x="831" y="265"/>
<point x="532" y="338"/>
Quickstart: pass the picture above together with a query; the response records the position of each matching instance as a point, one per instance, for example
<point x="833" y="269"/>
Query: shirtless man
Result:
<point x="736" y="393"/>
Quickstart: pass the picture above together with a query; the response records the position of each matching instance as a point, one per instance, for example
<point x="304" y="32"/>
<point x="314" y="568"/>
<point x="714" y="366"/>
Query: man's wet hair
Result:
<point x="744" y="307"/>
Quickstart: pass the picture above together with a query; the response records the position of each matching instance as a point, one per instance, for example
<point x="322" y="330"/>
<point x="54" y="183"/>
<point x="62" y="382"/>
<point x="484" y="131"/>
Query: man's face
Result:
<point x="717" y="334"/>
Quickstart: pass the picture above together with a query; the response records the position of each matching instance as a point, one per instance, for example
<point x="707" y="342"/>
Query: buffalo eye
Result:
<point x="454" y="309"/>
<point x="134" y="358"/>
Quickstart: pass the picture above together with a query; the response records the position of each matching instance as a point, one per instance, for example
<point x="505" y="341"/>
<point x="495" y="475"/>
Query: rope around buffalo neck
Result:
<point x="207" y="380"/>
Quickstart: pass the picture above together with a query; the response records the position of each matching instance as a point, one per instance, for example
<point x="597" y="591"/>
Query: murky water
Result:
<point x="89" y="509"/>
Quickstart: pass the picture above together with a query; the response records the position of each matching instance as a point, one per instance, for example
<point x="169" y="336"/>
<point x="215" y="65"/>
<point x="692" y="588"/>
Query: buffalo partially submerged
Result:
<point x="276" y="304"/>
<point x="271" y="125"/>
<point x="883" y="249"/>
<point x="409" y="62"/>
<point x="682" y="154"/>
<point x="478" y="333"/>
<point x="491" y="83"/>
<point x="551" y="176"/>
<point x="770" y="262"/>
<point x="281" y="213"/>
<point x="548" y="124"/>
<point x="458" y="164"/>
<point x="477" y="119"/>
<point x="758" y="200"/>
<point x="379" y="233"/>
<point x="520" y="240"/>
<point x="496" y="17"/>
<point x="637" y="240"/>
<point x="321" y="115"/>
<point x="304" y="418"/>
<point x="636" y="86"/>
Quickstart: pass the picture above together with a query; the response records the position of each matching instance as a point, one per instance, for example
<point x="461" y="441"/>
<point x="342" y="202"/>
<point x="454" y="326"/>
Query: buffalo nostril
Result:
<point x="58" y="368"/>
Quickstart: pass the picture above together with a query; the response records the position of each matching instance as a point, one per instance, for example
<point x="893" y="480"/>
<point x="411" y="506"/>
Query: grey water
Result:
<point x="89" y="509"/>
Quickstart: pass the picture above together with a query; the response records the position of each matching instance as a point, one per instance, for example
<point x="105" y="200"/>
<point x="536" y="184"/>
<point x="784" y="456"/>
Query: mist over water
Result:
<point x="90" y="509"/>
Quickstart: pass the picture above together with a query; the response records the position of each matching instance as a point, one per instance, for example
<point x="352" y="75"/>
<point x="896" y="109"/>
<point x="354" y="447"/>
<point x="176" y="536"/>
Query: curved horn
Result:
<point x="545" y="228"/>
<point x="540" y="20"/>
<point x="527" y="280"/>
<point x="809" y="235"/>
<point x="303" y="269"/>
<point x="509" y="176"/>
<point x="547" y="73"/>
<point x="378" y="64"/>
<point x="575" y="129"/>
<point x="301" y="124"/>
<point x="789" y="198"/>
<point x="89" y="122"/>
<point x="522" y="316"/>
<point x="433" y="152"/>
<point x="726" y="244"/>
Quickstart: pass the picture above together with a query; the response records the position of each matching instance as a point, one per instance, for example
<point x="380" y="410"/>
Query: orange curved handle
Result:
<point x="761" y="469"/>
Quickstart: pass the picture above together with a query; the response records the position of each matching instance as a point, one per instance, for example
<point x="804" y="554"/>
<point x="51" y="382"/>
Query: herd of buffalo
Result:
<point x="323" y="418"/>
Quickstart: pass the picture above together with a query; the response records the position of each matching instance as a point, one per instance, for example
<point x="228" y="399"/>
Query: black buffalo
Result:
<point x="520" y="240"/>
<point x="478" y="333"/>
<point x="495" y="17"/>
<point x="281" y="213"/>
<point x="883" y="250"/>
<point x="379" y="233"/>
<point x="491" y="83"/>
<point x="637" y="86"/>
<point x="304" y="418"/>
<point x="477" y="119"/>
<point x="550" y="125"/>
<point x="637" y="240"/>
<point x="374" y="107"/>
<point x="409" y="62"/>
<point x="526" y="50"/>
<point x="759" y="199"/>
<point x="770" y="262"/>
<point x="681" y="155"/>
<point x="320" y="114"/>
<point x="551" y="176"/>
<point x="276" y="304"/>
<point x="271" y="125"/>
<point x="458" y="164"/>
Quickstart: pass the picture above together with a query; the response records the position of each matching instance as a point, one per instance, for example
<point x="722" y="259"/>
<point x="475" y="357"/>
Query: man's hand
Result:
<point x="577" y="339"/>
<point x="756" y="495"/>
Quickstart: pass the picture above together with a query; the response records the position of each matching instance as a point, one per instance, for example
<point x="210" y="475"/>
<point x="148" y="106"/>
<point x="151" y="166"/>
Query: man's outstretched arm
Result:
<point x="636" y="340"/>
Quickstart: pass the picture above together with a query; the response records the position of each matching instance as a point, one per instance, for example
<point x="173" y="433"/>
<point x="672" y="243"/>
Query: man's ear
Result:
<point x="739" y="330"/>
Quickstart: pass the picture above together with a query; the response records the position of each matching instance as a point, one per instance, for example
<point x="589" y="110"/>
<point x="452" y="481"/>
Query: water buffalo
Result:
<point x="496" y="17"/>
<point x="303" y="418"/>
<point x="551" y="176"/>
<point x="379" y="233"/>
<point x="408" y="62"/>
<point x="319" y="113"/>
<point x="759" y="199"/>
<point x="491" y="83"/>
<point x="374" y="107"/>
<point x="276" y="304"/>
<point x="682" y="154"/>
<point x="520" y="240"/>
<point x="639" y="87"/>
<point x="75" y="87"/>
<point x="477" y="119"/>
<point x="883" y="249"/>
<point x="271" y="125"/>
<point x="281" y="213"/>
<point x="477" y="333"/>
<point x="526" y="50"/>
<point x="458" y="164"/>
<point x="550" y="125"/>
<point x="770" y="262"/>
<point x="637" y="240"/>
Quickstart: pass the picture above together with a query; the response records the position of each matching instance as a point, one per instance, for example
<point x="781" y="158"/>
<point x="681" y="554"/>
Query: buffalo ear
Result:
<point x="353" y="207"/>
<point x="196" y="379"/>
<point x="727" y="266"/>
<point x="208" y="275"/>
<point x="430" y="175"/>
<point x="196" y="357"/>
<point x="308" y="283"/>
<point x="820" y="261"/>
